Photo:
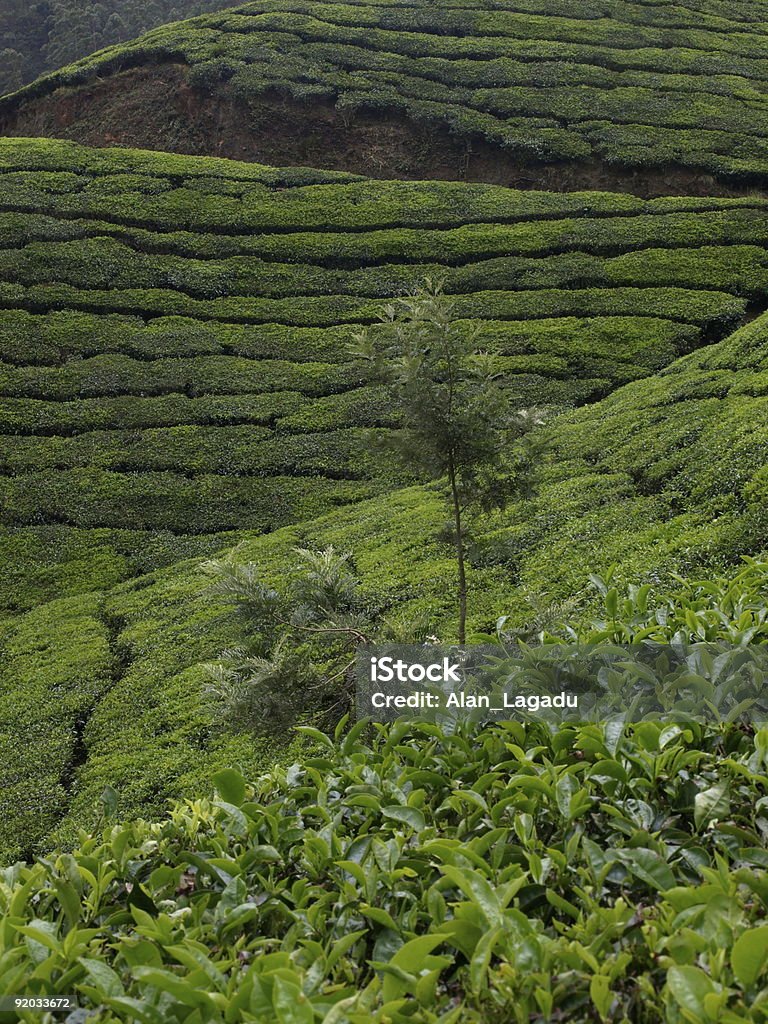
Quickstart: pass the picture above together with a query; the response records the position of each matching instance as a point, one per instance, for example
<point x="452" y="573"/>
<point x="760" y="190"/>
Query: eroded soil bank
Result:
<point x="154" y="107"/>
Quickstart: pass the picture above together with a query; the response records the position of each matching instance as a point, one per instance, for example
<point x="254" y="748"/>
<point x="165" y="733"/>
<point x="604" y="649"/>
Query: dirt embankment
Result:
<point x="154" y="107"/>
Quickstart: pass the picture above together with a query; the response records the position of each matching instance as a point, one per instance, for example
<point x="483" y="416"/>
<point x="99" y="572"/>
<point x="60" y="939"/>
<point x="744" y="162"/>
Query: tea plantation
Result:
<point x="179" y="391"/>
<point x="107" y="688"/>
<point x="507" y="873"/>
<point x="174" y="334"/>
<point x="636" y="84"/>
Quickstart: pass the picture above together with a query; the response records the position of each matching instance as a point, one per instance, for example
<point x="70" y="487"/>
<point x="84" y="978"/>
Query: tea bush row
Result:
<point x="207" y="503"/>
<point x="102" y="263"/>
<point x="389" y="205"/>
<point x="339" y="52"/>
<point x="719" y="311"/>
<point x="231" y="451"/>
<point x="68" y="161"/>
<point x="361" y="407"/>
<point x="52" y="197"/>
<point x="53" y="339"/>
<point x="134" y="412"/>
<point x="115" y="374"/>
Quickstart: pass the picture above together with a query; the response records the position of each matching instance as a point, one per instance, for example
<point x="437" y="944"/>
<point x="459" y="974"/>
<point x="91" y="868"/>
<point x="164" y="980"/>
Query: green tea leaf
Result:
<point x="749" y="955"/>
<point x="408" y="815"/>
<point x="649" y="867"/>
<point x="230" y="786"/>
<point x="103" y="977"/>
<point x="712" y="804"/>
<point x="689" y="987"/>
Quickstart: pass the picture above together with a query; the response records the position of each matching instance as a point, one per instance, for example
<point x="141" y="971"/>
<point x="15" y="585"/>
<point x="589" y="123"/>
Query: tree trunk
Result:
<point x="459" y="535"/>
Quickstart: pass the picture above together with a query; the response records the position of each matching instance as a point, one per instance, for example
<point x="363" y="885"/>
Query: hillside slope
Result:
<point x="613" y="94"/>
<point x="109" y="688"/>
<point x="173" y="335"/>
<point x="176" y="381"/>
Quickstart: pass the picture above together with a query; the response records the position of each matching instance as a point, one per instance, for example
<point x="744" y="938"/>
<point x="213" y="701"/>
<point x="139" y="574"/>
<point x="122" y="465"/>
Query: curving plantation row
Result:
<point x="629" y="83"/>
<point x="174" y="346"/>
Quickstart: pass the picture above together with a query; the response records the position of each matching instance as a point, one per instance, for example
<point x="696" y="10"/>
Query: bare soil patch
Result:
<point x="154" y="107"/>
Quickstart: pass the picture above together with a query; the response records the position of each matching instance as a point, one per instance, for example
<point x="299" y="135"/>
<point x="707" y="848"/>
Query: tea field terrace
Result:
<point x="174" y="334"/>
<point x="660" y="97"/>
<point x="110" y="687"/>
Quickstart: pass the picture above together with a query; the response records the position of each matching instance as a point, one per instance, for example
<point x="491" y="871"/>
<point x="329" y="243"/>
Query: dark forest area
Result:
<point x="40" y="37"/>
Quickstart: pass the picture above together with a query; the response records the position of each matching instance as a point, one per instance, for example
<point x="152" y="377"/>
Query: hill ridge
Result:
<point x="589" y="101"/>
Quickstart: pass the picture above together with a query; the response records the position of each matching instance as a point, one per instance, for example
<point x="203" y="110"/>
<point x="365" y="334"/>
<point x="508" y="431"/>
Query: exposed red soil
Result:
<point x="154" y="107"/>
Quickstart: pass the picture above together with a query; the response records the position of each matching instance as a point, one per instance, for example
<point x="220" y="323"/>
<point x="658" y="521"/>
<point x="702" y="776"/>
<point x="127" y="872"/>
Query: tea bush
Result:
<point x="413" y="873"/>
<point x="146" y="293"/>
<point x="536" y="80"/>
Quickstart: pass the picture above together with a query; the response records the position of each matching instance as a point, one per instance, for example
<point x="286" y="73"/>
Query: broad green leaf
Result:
<point x="290" y="1004"/>
<point x="408" y="815"/>
<point x="749" y="955"/>
<point x="565" y="906"/>
<point x="386" y="945"/>
<point x="564" y="791"/>
<point x="711" y="804"/>
<point x="379" y="916"/>
<point x="230" y="786"/>
<point x="103" y="977"/>
<point x="668" y="734"/>
<point x="342" y="945"/>
<point x="44" y="933"/>
<point x="689" y="987"/>
<point x="478" y="889"/>
<point x="177" y="987"/>
<point x="481" y="958"/>
<point x="608" y="768"/>
<point x="613" y="730"/>
<point x="109" y="801"/>
<point x="412" y="955"/>
<point x="530" y="784"/>
<point x="649" y="867"/>
<point x="600" y="994"/>
<point x="317" y="736"/>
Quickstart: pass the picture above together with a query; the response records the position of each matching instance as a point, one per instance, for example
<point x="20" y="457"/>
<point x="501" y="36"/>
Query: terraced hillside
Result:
<point x="653" y="97"/>
<point x="174" y="334"/>
<point x="176" y="381"/>
<point x="666" y="475"/>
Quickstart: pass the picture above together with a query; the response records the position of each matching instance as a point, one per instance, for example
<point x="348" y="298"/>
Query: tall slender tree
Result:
<point x="458" y="423"/>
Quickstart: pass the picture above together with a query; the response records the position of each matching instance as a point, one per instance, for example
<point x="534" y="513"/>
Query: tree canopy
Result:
<point x="40" y="37"/>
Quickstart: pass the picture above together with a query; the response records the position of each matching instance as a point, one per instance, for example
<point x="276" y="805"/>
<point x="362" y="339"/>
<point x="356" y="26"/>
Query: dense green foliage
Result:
<point x="298" y="646"/>
<point x="176" y="376"/>
<point x="174" y="333"/>
<point x="177" y="383"/>
<point x="43" y="36"/>
<point x="632" y="83"/>
<point x="495" y="874"/>
<point x="688" y="496"/>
